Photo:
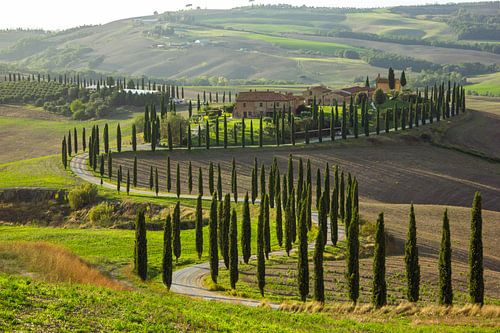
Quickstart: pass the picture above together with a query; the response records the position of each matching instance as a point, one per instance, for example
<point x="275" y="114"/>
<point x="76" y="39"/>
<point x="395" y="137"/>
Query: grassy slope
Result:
<point x="485" y="84"/>
<point x="89" y="308"/>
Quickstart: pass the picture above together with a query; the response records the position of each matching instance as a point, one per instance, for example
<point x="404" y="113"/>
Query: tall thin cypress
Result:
<point x="445" y="287"/>
<point x="214" y="252"/>
<point x="199" y="227"/>
<point x="167" y="253"/>
<point x="190" y="177"/>
<point x="140" y="248"/>
<point x="233" y="250"/>
<point x="476" y="280"/>
<point x="261" y="260"/>
<point x="379" y="291"/>
<point x="279" y="220"/>
<point x="178" y="181"/>
<point x="267" y="228"/>
<point x="411" y="260"/>
<point x="319" y="283"/>
<point x="303" y="265"/>
<point x="246" y="231"/>
<point x="177" y="231"/>
<point x="352" y="271"/>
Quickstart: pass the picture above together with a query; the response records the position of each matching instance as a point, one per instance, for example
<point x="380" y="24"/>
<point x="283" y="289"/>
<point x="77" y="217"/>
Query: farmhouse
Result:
<point x="252" y="104"/>
<point x="383" y="83"/>
<point x="326" y="96"/>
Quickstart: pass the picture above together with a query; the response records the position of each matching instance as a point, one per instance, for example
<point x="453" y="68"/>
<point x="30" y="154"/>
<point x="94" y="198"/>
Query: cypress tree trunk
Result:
<point x="214" y="253"/>
<point x="303" y="266"/>
<point x="352" y="273"/>
<point x="411" y="260"/>
<point x="476" y="282"/>
<point x="167" y="253"/>
<point x="177" y="231"/>
<point x="246" y="231"/>
<point x="141" y="249"/>
<point x="379" y="293"/>
<point x="261" y="261"/>
<point x="279" y="220"/>
<point x="199" y="227"/>
<point x="445" y="287"/>
<point x="233" y="250"/>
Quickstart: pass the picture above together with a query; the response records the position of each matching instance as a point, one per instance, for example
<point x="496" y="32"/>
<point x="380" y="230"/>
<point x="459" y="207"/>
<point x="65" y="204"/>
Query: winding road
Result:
<point x="189" y="280"/>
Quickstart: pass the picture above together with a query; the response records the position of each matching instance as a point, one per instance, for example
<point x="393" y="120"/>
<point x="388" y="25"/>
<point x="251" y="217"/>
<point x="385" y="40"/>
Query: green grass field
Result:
<point x="485" y="84"/>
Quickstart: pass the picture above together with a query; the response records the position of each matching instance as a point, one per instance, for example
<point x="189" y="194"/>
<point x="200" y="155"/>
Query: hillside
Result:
<point x="268" y="44"/>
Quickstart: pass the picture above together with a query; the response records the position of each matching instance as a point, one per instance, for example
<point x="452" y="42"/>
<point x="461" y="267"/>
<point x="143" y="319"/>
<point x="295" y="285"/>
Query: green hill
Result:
<point x="262" y="44"/>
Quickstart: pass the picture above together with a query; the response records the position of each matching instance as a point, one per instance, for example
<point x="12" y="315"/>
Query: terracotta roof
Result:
<point x="262" y="96"/>
<point x="342" y="93"/>
<point x="356" y="89"/>
<point x="321" y="89"/>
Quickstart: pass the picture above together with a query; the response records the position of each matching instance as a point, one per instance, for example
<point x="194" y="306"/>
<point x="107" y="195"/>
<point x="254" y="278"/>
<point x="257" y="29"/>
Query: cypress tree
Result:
<point x="233" y="250"/>
<point x="106" y="138"/>
<point x="178" y="181"/>
<point x="75" y="140"/>
<point x="200" y="182"/>
<point x="190" y="178"/>
<point x="84" y="143"/>
<point x="140" y="248"/>
<point x="290" y="174"/>
<point x="323" y="215"/>
<point x="169" y="175"/>
<point x="246" y="231"/>
<point x="219" y="182"/>
<point x="243" y="132"/>
<point x="271" y="184"/>
<point x="352" y="273"/>
<point x="476" y="282"/>
<point x="318" y="187"/>
<point x="157" y="185"/>
<point x="288" y="226"/>
<point x="379" y="292"/>
<point x="110" y="165"/>
<point x="262" y="181"/>
<point x="207" y="135"/>
<point x="211" y="185"/>
<point x="214" y="253"/>
<point x="225" y="221"/>
<point x="293" y="225"/>
<point x="134" y="179"/>
<point x="134" y="138"/>
<point x="118" y="138"/>
<point x="251" y="133"/>
<point x="261" y="261"/>
<point x="189" y="140"/>
<point x="261" y="132"/>
<point x="69" y="144"/>
<point x="167" y="253"/>
<point x="334" y="215"/>
<point x="118" y="179"/>
<point x="411" y="260"/>
<point x="64" y="153"/>
<point x="279" y="220"/>
<point x="177" y="231"/>
<point x="199" y="227"/>
<point x="128" y="181"/>
<point x="151" y="178"/>
<point x="319" y="283"/>
<point x="234" y="179"/>
<point x="348" y="204"/>
<point x="254" y="185"/>
<point x="445" y="287"/>
<point x="300" y="178"/>
<point x="267" y="228"/>
<point x="217" y="140"/>
<point x="303" y="266"/>
<point x="199" y="135"/>
<point x="225" y="131"/>
<point x="327" y="188"/>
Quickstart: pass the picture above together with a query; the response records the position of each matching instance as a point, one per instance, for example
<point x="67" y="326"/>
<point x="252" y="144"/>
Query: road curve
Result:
<point x="189" y="280"/>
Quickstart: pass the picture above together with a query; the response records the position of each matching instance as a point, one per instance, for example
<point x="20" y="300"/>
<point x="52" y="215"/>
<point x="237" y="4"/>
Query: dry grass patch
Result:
<point x="52" y="263"/>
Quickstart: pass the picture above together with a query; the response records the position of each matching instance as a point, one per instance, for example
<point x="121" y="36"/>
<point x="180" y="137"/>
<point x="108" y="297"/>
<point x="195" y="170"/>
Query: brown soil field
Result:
<point x="479" y="130"/>
<point x="390" y="171"/>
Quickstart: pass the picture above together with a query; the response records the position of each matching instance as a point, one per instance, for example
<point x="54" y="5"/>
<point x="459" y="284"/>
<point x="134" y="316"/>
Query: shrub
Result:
<point x="101" y="214"/>
<point x="379" y="96"/>
<point x="81" y="196"/>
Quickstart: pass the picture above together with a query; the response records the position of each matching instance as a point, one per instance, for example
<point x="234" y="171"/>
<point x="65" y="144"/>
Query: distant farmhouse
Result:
<point x="326" y="96"/>
<point x="253" y="104"/>
<point x="383" y="83"/>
